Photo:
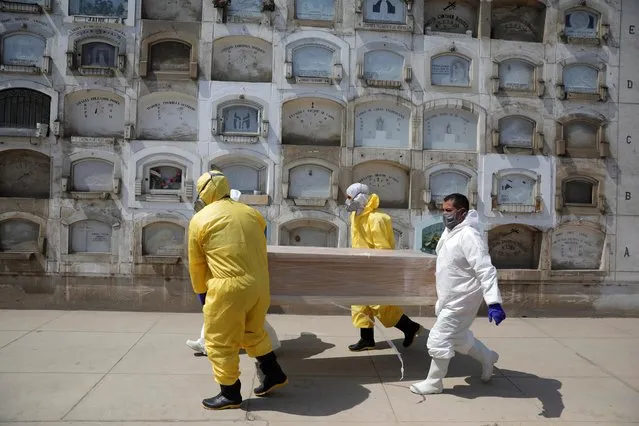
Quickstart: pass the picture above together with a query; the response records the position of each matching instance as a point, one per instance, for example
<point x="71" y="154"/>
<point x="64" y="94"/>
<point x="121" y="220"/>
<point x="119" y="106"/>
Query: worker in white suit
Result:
<point x="198" y="344"/>
<point x="465" y="276"/>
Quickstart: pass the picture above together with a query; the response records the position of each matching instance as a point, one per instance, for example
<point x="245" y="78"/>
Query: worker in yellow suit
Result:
<point x="373" y="229"/>
<point x="228" y="263"/>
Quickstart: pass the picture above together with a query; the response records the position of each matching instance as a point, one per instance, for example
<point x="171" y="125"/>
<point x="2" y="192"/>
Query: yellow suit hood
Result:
<point x="216" y="189"/>
<point x="372" y="228"/>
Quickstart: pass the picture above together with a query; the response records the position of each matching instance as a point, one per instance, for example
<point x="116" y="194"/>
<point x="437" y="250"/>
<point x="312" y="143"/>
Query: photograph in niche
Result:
<point x="431" y="230"/>
<point x="114" y="8"/>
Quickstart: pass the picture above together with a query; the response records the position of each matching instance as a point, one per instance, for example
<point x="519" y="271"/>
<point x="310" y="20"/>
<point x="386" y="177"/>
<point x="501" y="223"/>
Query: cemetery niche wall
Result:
<point x="312" y="121"/>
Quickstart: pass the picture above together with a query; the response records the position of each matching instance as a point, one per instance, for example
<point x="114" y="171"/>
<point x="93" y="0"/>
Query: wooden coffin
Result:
<point x="317" y="275"/>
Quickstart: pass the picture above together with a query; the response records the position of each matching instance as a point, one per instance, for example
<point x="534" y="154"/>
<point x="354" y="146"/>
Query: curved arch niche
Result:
<point x="94" y="113"/>
<point x="387" y="180"/>
<point x="383" y="64"/>
<point x="167" y="116"/>
<point x="380" y="125"/>
<point x="19" y="235"/>
<point x="515" y="247"/>
<point x="577" y="246"/>
<point x="310" y="181"/>
<point x="451" y="130"/>
<point x="242" y="58"/>
<point x="163" y="239"/>
<point x="90" y="236"/>
<point x="440" y="17"/>
<point x="448" y="182"/>
<point x="518" y="20"/>
<point x="24" y="109"/>
<point x="23" y="49"/>
<point x="24" y="174"/>
<point x="308" y="233"/>
<point x="312" y="121"/>
<point x="92" y="175"/>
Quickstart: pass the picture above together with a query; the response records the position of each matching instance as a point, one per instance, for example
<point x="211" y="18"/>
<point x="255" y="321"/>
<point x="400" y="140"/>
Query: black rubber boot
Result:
<point x="272" y="375"/>
<point x="410" y="329"/>
<point x="229" y="397"/>
<point x="366" y="341"/>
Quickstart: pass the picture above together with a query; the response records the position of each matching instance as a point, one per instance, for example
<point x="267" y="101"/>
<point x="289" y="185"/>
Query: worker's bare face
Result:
<point x="448" y="207"/>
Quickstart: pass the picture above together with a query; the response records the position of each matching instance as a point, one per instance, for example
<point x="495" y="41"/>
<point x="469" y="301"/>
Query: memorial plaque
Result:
<point x="313" y="61"/>
<point x="382" y="126"/>
<point x="309" y="236"/>
<point x="238" y="58"/>
<point x="450" y="70"/>
<point x="315" y="10"/>
<point x="163" y="239"/>
<point x="389" y="182"/>
<point x="24" y="108"/>
<point x="240" y="119"/>
<point x="446" y="183"/>
<point x="516" y="132"/>
<point x="92" y="176"/>
<point x="581" y="79"/>
<point x="581" y="24"/>
<point x="243" y="178"/>
<point x="312" y="122"/>
<point x="22" y="49"/>
<point x="514" y="247"/>
<point x="244" y="9"/>
<point x="24" y="174"/>
<point x="173" y="10"/>
<point x="385" y="11"/>
<point x="383" y="65"/>
<point x="580" y="134"/>
<point x="575" y="247"/>
<point x="169" y="116"/>
<point x="578" y="192"/>
<point x="94" y="113"/>
<point x="518" y="23"/>
<point x="165" y="178"/>
<point x="115" y="8"/>
<point x="450" y="129"/>
<point x="90" y="236"/>
<point x="516" y="75"/>
<point x="170" y="56"/>
<point x="98" y="55"/>
<point x="451" y="16"/>
<point x="19" y="235"/>
<point x="516" y="189"/>
<point x="309" y="181"/>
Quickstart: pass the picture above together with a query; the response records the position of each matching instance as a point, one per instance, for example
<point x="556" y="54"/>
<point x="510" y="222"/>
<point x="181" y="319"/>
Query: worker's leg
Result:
<point x="363" y="318"/>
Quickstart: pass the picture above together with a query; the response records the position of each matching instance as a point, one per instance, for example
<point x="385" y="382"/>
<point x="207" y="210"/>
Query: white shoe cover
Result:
<point x="434" y="382"/>
<point x="196" y="345"/>
<point x="486" y="357"/>
<point x="275" y="342"/>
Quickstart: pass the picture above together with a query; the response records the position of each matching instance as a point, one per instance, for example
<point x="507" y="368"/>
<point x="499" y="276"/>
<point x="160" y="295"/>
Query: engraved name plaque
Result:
<point x="24" y="174"/>
<point x="516" y="132"/>
<point x="382" y="126"/>
<point x="575" y="247"/>
<point x="90" y="236"/>
<point x="167" y="117"/>
<point x="389" y="182"/>
<point x="516" y="75"/>
<point x="312" y="122"/>
<point x="238" y="58"/>
<point x="450" y="130"/>
<point x="450" y="70"/>
<point x="163" y="239"/>
<point x="383" y="65"/>
<point x="95" y="114"/>
<point x="514" y="247"/>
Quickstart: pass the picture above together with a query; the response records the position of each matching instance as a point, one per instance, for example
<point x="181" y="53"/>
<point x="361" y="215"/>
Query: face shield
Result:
<point x="199" y="204"/>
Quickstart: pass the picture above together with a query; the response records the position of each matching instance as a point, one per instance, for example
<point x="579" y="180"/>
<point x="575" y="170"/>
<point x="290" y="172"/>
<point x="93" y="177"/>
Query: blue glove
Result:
<point x="495" y="312"/>
<point x="202" y="297"/>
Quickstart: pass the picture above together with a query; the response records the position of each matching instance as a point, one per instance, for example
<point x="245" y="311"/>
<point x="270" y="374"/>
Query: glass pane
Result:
<point x="581" y="78"/>
<point x="580" y="134"/>
<point x="163" y="239"/>
<point x="312" y="61"/>
<point x="98" y="55"/>
<point x="23" y="108"/>
<point x="450" y="70"/>
<point x="578" y="192"/>
<point x="92" y="175"/>
<point x="582" y="24"/>
<point x="170" y="56"/>
<point x="382" y="126"/>
<point x="516" y="132"/>
<point x="451" y="130"/>
<point x="242" y="178"/>
<point x="383" y="65"/>
<point x="23" y="50"/>
<point x="165" y="177"/>
<point x="90" y="236"/>
<point x="116" y="8"/>
<point x="315" y="10"/>
<point x="516" y="75"/>
<point x="309" y="181"/>
<point x="308" y="237"/>
<point x="240" y="119"/>
<point x="446" y="183"/>
<point x="19" y="235"/>
<point x="516" y="189"/>
<point x="392" y="11"/>
<point x="245" y="8"/>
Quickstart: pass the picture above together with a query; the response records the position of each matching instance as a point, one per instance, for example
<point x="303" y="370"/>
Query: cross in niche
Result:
<point x="451" y="6"/>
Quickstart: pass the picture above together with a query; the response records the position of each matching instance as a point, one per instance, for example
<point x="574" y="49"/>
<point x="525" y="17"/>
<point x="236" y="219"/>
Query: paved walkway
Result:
<point x="123" y="368"/>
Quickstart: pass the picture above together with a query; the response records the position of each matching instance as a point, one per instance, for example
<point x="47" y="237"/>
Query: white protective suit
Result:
<point x="465" y="276"/>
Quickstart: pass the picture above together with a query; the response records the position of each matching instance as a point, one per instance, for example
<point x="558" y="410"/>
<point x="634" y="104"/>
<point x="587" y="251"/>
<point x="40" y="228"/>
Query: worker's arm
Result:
<point x="198" y="268"/>
<point x="476" y="252"/>
<point x="382" y="232"/>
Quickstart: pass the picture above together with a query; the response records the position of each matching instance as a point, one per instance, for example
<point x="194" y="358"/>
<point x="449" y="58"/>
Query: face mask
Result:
<point x="356" y="204"/>
<point x="453" y="219"/>
<point x="198" y="205"/>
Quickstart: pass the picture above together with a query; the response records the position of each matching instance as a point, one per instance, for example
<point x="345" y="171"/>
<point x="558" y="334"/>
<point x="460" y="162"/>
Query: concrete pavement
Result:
<point x="125" y="368"/>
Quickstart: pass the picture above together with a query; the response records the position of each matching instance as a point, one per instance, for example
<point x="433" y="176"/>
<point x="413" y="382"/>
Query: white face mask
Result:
<point x="357" y="203"/>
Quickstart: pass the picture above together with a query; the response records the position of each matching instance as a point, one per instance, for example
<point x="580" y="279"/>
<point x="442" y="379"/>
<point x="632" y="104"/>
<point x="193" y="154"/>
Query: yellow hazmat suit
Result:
<point x="228" y="261"/>
<point x="373" y="229"/>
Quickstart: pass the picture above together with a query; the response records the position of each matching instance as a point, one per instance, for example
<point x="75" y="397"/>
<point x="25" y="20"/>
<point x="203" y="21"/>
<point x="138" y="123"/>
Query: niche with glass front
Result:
<point x="450" y="70"/>
<point x="384" y="68"/>
<point x="581" y="137"/>
<point x="445" y="182"/>
<point x="582" y="82"/>
<point x="309" y="233"/>
<point x="95" y="57"/>
<point x="240" y="122"/>
<point x="450" y="129"/>
<point x="582" y="25"/>
<point x="111" y="11"/>
<point x="313" y="63"/>
<point x="165" y="57"/>
<point x="248" y="177"/>
<point x="580" y="195"/>
<point x="90" y="236"/>
<point x="518" y="77"/>
<point x="164" y="181"/>
<point x="91" y="178"/>
<point x="24" y="52"/>
<point x="20" y="238"/>
<point x="163" y="242"/>
<point x="518" y="134"/>
<point x="315" y="12"/>
<point x="516" y="191"/>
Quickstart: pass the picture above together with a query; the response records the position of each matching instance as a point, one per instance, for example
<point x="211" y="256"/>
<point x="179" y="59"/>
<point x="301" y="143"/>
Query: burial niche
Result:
<point x="450" y="70"/>
<point x="24" y="109"/>
<point x="447" y="16"/>
<point x="580" y="78"/>
<point x="515" y="247"/>
<point x="164" y="179"/>
<point x="580" y="135"/>
<point x="516" y="75"/>
<point x="447" y="182"/>
<point x="94" y="113"/>
<point x="111" y="8"/>
<point x="163" y="239"/>
<point x="24" y="174"/>
<point x="241" y="119"/>
<point x="518" y="20"/>
<point x="248" y="179"/>
<point x="577" y="246"/>
<point x="312" y="121"/>
<point x="309" y="233"/>
<point x="382" y="126"/>
<point x="170" y="56"/>
<point x="90" y="236"/>
<point x="315" y="10"/>
<point x="383" y="65"/>
<point x="516" y="192"/>
<point x="23" y="50"/>
<point x="450" y="129"/>
<point x="167" y="116"/>
<point x="581" y="24"/>
<point x="19" y="235"/>
<point x="579" y="192"/>
<point x="516" y="132"/>
<point x="385" y="11"/>
<point x="240" y="58"/>
<point x="92" y="175"/>
<point x="244" y="9"/>
<point x="388" y="181"/>
<point x="98" y="55"/>
<point x="310" y="181"/>
<point x="313" y="61"/>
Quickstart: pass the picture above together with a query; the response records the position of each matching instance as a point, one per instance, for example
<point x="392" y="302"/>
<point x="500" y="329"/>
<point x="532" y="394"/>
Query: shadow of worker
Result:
<point x="317" y="387"/>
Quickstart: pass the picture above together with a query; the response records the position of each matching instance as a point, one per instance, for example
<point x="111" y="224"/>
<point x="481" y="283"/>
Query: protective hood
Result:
<point x="235" y="195"/>
<point x="216" y="189"/>
<point x="471" y="219"/>
<point x="372" y="205"/>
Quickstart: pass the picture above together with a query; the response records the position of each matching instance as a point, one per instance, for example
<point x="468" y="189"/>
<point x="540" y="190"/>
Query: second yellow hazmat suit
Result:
<point x="228" y="261"/>
<point x="373" y="229"/>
